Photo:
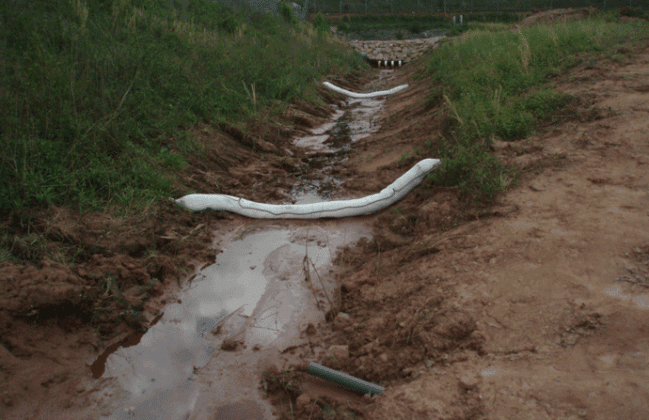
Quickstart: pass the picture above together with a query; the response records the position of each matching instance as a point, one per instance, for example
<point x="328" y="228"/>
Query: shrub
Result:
<point x="320" y="23"/>
<point x="286" y="11"/>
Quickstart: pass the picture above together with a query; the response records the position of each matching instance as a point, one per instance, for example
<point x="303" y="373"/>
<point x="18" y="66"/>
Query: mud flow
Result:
<point x="267" y="293"/>
<point x="233" y="319"/>
<point x="328" y="146"/>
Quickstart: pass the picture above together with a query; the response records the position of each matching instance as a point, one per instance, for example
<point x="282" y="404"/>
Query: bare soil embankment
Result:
<point x="537" y="308"/>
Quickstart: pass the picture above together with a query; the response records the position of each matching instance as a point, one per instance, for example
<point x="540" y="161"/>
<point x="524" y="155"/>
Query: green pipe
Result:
<point x="344" y="379"/>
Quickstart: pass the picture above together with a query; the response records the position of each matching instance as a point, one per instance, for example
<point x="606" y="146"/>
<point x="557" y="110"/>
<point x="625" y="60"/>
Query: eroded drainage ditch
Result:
<point x="204" y="356"/>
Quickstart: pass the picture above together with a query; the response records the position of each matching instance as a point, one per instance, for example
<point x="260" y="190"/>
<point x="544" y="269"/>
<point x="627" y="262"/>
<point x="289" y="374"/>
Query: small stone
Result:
<point x="229" y="345"/>
<point x="401" y="224"/>
<point x="133" y="298"/>
<point x="311" y="330"/>
<point x="343" y="318"/>
<point x="499" y="145"/>
<point x="384" y="357"/>
<point x="302" y="401"/>
<point x="339" y="352"/>
<point x="468" y="382"/>
<point x="536" y="187"/>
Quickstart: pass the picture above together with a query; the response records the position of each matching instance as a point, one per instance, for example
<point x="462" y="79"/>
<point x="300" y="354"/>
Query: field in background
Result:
<point x="415" y="26"/>
<point x="461" y="6"/>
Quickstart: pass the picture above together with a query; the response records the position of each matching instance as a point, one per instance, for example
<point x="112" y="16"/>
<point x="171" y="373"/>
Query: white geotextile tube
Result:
<point x="342" y="208"/>
<point x="364" y="95"/>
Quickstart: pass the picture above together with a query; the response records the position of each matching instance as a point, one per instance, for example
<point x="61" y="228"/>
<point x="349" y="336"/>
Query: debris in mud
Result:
<point x="344" y="379"/>
<point x="298" y="395"/>
<point x="231" y="345"/>
<point x="638" y="275"/>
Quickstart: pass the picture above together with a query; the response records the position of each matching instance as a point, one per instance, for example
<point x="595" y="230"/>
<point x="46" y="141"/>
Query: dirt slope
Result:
<point x="538" y="312"/>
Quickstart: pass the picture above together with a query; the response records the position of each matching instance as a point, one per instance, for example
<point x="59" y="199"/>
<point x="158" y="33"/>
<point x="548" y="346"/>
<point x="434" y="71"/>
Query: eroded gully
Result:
<point x="204" y="355"/>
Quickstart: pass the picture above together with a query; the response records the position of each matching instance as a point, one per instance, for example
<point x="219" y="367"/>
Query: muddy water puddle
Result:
<point x="329" y="145"/>
<point x="207" y="352"/>
<point x="357" y="119"/>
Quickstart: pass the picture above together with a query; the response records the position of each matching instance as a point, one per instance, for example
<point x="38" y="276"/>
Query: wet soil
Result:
<point x="536" y="308"/>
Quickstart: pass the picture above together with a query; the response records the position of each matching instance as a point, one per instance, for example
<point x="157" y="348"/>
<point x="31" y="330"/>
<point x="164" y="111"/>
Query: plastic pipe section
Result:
<point x="344" y="379"/>
<point x="342" y="208"/>
<point x="364" y="95"/>
<point x="393" y="63"/>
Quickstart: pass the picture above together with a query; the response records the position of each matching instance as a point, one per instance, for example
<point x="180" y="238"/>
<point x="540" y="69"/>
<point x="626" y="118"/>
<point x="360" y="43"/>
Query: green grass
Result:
<point x="496" y="85"/>
<point x="461" y="6"/>
<point x="418" y="23"/>
<point x="97" y="97"/>
<point x="366" y="25"/>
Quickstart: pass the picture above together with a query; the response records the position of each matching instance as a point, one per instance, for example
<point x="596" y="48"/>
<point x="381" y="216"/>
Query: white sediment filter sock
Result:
<point x="341" y="208"/>
<point x="364" y="95"/>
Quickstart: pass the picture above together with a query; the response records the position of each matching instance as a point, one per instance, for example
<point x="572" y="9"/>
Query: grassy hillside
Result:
<point x="98" y="95"/>
<point x="497" y="84"/>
